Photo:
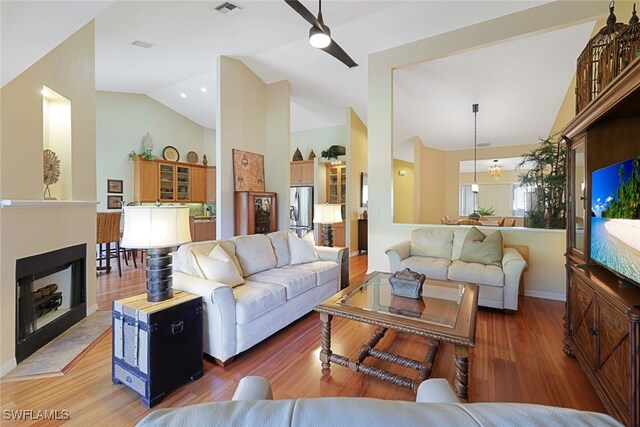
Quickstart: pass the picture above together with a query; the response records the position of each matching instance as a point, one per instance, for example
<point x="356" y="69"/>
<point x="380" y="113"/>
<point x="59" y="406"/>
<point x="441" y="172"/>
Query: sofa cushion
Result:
<point x="481" y="248"/>
<point x="185" y="260"/>
<point x="435" y="268"/>
<point x="255" y="253"/>
<point x="295" y="281"/>
<point x="217" y="265"/>
<point x="432" y="243"/>
<point x="279" y="241"/>
<point x="324" y="270"/>
<point x="458" y="241"/>
<point x="253" y="299"/>
<point x="473" y="272"/>
<point x="302" y="250"/>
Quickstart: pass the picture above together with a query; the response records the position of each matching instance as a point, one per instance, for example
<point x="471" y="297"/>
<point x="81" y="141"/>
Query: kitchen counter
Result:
<point x="202" y="228"/>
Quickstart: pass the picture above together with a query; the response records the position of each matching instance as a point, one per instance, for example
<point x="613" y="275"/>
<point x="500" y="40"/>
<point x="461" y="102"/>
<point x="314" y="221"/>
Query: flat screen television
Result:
<point x="615" y="219"/>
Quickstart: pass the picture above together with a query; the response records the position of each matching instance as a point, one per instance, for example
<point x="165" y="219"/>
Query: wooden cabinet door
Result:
<point x="198" y="184"/>
<point x="145" y="178"/>
<point x="295" y="173"/>
<point x="204" y="231"/>
<point x="583" y="321"/>
<point x="183" y="183"/>
<point x="308" y="177"/>
<point x="613" y="351"/>
<point x="211" y="184"/>
<point x="301" y="173"/>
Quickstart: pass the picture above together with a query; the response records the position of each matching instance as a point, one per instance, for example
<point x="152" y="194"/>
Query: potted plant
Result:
<point x="546" y="184"/>
<point x="146" y="154"/>
<point x="331" y="153"/>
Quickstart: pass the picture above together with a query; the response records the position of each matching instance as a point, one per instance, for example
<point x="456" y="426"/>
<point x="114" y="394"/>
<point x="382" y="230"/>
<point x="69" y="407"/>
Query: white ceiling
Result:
<point x="270" y="38"/>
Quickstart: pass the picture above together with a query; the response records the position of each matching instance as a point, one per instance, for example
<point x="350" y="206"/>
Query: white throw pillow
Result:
<point x="302" y="250"/>
<point x="218" y="266"/>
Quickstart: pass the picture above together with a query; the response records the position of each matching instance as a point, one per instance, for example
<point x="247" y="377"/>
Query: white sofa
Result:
<point x="274" y="294"/>
<point x="435" y="252"/>
<point x="436" y="405"/>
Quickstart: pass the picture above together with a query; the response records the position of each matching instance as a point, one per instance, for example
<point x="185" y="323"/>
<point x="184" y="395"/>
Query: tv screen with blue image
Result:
<point x="615" y="218"/>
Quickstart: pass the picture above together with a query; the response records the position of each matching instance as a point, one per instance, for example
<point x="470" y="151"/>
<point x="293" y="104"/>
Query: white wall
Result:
<point x="122" y="120"/>
<point x="547" y="247"/>
<point x="356" y="164"/>
<point x="317" y="140"/>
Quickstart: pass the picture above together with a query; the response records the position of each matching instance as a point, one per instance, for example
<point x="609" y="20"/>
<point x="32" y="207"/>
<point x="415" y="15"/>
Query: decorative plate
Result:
<point x="192" y="157"/>
<point x="170" y="153"/>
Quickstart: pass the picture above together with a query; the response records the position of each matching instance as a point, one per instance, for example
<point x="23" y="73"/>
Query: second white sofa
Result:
<point x="274" y="292"/>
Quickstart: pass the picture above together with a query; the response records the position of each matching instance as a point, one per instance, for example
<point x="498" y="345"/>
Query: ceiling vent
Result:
<point x="139" y="43"/>
<point x="484" y="144"/>
<point x="227" y="8"/>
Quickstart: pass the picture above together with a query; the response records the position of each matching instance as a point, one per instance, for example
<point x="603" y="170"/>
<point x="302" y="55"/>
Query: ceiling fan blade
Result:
<point x="336" y="51"/>
<point x="304" y="12"/>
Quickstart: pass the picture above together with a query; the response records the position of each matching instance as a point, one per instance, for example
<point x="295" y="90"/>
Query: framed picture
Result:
<point x="114" y="202"/>
<point x="114" y="186"/>
<point x="248" y="171"/>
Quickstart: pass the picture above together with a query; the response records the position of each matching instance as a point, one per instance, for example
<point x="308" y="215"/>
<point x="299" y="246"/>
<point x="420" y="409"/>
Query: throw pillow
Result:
<point x="302" y="250"/>
<point x="482" y="249"/>
<point x="218" y="266"/>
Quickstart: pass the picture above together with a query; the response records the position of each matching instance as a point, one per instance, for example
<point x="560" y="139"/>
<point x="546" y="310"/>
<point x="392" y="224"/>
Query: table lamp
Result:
<point x="327" y="214"/>
<point x="157" y="229"/>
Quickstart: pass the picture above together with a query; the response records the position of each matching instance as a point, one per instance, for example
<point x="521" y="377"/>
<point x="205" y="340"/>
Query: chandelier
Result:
<point x="495" y="170"/>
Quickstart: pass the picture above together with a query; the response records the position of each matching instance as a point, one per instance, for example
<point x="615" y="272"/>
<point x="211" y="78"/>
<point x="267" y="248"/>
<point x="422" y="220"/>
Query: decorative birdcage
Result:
<point x="619" y="52"/>
<point x="589" y="73"/>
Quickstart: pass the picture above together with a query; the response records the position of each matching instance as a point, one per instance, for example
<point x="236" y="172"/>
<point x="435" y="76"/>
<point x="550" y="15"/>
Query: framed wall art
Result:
<point x="114" y="202"/>
<point x="114" y="186"/>
<point x="248" y="171"/>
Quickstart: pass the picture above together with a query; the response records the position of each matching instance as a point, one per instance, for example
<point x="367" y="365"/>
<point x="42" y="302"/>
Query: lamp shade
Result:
<point x="147" y="227"/>
<point x="327" y="213"/>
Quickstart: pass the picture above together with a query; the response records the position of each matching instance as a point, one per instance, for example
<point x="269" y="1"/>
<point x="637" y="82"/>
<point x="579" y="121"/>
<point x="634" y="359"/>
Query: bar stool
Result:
<point x="108" y="234"/>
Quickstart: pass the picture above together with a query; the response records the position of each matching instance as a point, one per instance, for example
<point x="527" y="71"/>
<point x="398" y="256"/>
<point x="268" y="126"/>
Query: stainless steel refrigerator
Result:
<point x="301" y="210"/>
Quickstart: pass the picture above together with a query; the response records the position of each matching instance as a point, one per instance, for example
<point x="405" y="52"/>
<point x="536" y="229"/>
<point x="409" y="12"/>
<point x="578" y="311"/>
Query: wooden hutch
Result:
<point x="602" y="317"/>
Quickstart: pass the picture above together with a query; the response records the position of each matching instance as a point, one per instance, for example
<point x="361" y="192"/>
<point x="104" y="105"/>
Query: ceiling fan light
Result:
<point x="318" y="38"/>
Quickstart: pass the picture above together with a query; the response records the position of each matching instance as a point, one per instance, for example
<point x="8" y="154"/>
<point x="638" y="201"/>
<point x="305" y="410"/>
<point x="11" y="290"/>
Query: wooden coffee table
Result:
<point x="446" y="312"/>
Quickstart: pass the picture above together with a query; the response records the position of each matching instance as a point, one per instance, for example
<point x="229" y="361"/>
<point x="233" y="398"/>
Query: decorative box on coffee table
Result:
<point x="157" y="346"/>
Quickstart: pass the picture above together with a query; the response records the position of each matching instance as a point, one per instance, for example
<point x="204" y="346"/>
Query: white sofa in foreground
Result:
<point x="437" y="254"/>
<point x="274" y="292"/>
<point x="436" y="405"/>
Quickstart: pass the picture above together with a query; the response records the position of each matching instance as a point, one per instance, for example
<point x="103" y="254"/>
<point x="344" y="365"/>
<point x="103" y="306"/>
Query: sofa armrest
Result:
<point x="219" y="313"/>
<point x="327" y="253"/>
<point x="513" y="265"/>
<point x="397" y="253"/>
<point x="436" y="390"/>
<point x="253" y="388"/>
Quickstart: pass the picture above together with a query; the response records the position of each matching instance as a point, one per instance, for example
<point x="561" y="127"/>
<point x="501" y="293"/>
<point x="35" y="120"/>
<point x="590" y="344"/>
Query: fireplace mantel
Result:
<point x="11" y="203"/>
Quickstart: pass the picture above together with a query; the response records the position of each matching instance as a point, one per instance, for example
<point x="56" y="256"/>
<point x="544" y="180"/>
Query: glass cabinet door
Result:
<point x="166" y="182"/>
<point x="184" y="183"/>
<point x="579" y="202"/>
<point x="262" y="214"/>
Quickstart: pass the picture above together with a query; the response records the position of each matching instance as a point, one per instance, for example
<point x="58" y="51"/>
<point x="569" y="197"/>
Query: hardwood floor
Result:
<point x="517" y="358"/>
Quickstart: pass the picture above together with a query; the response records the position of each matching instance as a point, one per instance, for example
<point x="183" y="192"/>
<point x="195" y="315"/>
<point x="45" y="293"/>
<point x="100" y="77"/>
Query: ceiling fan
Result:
<point x="320" y="34"/>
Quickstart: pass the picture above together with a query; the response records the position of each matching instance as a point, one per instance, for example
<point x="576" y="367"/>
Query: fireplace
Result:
<point x="51" y="297"/>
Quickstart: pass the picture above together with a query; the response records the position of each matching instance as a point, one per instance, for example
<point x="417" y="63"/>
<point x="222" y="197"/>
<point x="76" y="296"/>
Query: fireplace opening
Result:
<point x="50" y="297"/>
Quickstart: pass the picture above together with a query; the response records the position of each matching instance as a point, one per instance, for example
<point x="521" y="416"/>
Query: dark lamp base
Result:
<point x="159" y="278"/>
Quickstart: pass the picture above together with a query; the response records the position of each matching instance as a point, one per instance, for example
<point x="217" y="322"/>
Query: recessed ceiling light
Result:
<point x="183" y="95"/>
<point x="142" y="44"/>
<point x="203" y="89"/>
<point x="228" y="7"/>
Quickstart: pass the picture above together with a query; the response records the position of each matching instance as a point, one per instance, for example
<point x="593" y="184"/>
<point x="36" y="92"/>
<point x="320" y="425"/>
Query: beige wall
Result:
<point x="432" y="192"/>
<point x="250" y="116"/>
<point x="356" y="164"/>
<point x="122" y="120"/>
<point x="403" y="192"/>
<point x="68" y="70"/>
<point x="546" y="275"/>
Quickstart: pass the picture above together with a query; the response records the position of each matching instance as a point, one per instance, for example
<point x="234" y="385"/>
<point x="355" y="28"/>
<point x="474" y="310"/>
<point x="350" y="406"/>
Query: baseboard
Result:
<point x="545" y="295"/>
<point x="355" y="253"/>
<point x="7" y="366"/>
<point x="92" y="309"/>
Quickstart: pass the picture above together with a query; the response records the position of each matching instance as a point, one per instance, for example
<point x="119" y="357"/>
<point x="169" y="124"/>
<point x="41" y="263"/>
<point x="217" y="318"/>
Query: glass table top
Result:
<point x="439" y="304"/>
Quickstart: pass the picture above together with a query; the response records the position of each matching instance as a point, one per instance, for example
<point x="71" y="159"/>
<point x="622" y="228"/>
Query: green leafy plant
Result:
<point x="626" y="201"/>
<point x="330" y="153"/>
<point x="486" y="212"/>
<point x="146" y="154"/>
<point x="546" y="184"/>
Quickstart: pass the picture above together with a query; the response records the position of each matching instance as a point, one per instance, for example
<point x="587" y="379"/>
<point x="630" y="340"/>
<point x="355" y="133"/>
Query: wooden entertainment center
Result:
<point x="602" y="316"/>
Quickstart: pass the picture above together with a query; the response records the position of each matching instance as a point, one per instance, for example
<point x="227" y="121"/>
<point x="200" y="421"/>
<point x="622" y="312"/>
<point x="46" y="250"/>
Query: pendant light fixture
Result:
<point x="495" y="170"/>
<point x="474" y="187"/>
<point x="320" y="38"/>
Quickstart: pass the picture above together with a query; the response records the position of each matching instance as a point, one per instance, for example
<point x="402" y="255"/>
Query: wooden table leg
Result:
<point x="325" y="353"/>
<point x="462" y="371"/>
